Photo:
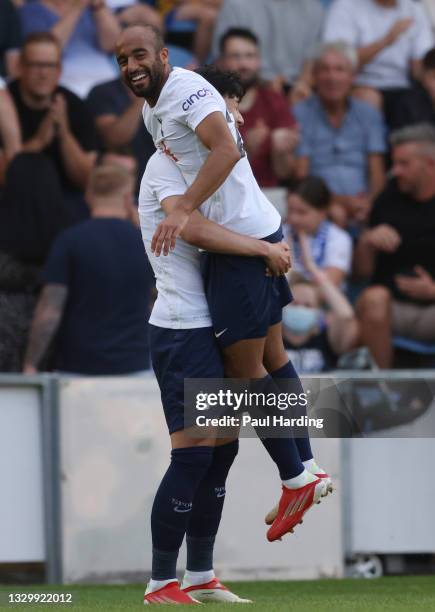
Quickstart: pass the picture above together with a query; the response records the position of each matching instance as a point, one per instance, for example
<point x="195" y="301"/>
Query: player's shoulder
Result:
<point x="187" y="87"/>
<point x="180" y="77"/>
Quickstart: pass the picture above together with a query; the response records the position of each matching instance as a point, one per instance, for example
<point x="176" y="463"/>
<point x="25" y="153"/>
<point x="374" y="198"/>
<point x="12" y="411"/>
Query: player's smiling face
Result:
<point x="143" y="65"/>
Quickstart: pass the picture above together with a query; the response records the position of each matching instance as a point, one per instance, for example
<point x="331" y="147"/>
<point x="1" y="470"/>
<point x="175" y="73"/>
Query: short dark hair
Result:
<point x="428" y="61"/>
<point x="237" y="33"/>
<point x="158" y="36"/>
<point x="315" y="192"/>
<point x="40" y="37"/>
<point x="227" y="83"/>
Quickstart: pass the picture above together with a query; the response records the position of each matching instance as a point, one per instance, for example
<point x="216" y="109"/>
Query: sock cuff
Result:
<point x="194" y="452"/>
<point x="285" y="371"/>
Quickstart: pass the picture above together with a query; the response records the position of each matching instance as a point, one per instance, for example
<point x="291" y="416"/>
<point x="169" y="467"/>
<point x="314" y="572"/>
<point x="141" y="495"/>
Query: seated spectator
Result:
<point x="288" y="32"/>
<point x="31" y="217"/>
<point x="391" y="36"/>
<point x="342" y="139"/>
<point x="10" y="38"/>
<point x="97" y="290"/>
<point x="119" y="122"/>
<point x="418" y="105"/>
<point x="53" y="120"/>
<point x="315" y="335"/>
<point x="397" y="252"/>
<point x="269" y="131"/>
<point x="330" y="246"/>
<point x="86" y="31"/>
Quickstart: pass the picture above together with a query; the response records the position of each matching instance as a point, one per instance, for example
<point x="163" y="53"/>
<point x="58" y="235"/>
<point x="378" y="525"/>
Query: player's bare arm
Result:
<point x="215" y="135"/>
<point x="210" y="236"/>
<point x="46" y="321"/>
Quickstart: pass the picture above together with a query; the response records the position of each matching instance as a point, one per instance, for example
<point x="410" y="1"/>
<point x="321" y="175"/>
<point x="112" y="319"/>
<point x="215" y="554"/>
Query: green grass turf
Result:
<point x="409" y="593"/>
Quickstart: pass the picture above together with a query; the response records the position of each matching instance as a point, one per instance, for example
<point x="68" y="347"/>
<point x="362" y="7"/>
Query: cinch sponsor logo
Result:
<point x="201" y="93"/>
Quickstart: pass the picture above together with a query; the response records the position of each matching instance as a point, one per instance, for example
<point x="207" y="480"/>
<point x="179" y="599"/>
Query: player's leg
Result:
<point x="282" y="371"/>
<point x="204" y="520"/>
<point x="244" y="359"/>
<point x="174" y="356"/>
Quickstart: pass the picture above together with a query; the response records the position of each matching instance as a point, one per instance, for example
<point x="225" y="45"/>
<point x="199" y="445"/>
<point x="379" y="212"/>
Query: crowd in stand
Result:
<point x="339" y="115"/>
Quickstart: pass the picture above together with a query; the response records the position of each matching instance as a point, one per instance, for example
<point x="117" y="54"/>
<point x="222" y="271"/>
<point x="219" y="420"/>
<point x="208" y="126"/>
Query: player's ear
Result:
<point x="164" y="55"/>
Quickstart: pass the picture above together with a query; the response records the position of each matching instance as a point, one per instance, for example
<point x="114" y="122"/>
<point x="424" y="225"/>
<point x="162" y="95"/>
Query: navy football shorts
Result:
<point x="177" y="354"/>
<point x="242" y="300"/>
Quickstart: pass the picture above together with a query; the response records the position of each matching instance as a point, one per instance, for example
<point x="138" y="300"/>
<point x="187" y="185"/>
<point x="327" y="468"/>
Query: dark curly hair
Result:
<point x="227" y="83"/>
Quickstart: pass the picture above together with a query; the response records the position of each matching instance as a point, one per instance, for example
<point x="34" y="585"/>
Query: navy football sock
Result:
<point x="207" y="509"/>
<point x="293" y="384"/>
<point x="173" y="505"/>
<point x="283" y="451"/>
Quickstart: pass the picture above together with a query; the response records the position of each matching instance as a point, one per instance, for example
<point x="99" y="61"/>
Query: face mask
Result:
<point x="299" y="320"/>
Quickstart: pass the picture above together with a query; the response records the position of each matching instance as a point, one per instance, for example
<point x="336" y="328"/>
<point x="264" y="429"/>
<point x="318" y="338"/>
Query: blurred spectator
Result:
<point x="10" y="38"/>
<point x="135" y="12"/>
<point x="87" y="32"/>
<point x="330" y="246"/>
<point x="398" y="251"/>
<point x="202" y="12"/>
<point x="269" y="131"/>
<point x="429" y="6"/>
<point x="315" y="335"/>
<point x="418" y="105"/>
<point x="31" y="216"/>
<point x="391" y="36"/>
<point x="53" y="120"/>
<point x="10" y="137"/>
<point x="342" y="139"/>
<point x="96" y="292"/>
<point x="288" y="31"/>
<point x="118" y="118"/>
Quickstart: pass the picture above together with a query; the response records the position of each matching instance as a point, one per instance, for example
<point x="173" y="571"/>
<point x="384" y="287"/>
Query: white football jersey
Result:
<point x="184" y="102"/>
<point x="181" y="301"/>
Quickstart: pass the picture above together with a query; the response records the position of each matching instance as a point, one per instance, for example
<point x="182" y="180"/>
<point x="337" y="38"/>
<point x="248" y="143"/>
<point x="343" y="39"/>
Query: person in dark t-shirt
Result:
<point x="10" y="37"/>
<point x="397" y="251"/>
<point x="96" y="297"/>
<point x="417" y="105"/>
<point x="269" y="130"/>
<point x="118" y="118"/>
<point x="54" y="122"/>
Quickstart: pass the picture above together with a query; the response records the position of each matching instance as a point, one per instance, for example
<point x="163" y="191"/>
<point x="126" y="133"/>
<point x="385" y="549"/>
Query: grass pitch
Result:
<point x="411" y="593"/>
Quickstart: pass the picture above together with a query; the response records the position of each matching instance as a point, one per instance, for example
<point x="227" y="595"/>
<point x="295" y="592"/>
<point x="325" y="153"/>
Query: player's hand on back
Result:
<point x="167" y="232"/>
<point x="278" y="261"/>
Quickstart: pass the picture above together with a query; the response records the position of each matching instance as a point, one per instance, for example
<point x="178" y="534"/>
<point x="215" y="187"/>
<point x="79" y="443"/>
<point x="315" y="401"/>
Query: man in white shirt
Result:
<point x="391" y="37"/>
<point x="188" y="120"/>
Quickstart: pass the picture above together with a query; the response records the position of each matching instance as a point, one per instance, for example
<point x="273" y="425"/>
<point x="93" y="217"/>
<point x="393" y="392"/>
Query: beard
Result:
<point x="155" y="82"/>
<point x="249" y="80"/>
